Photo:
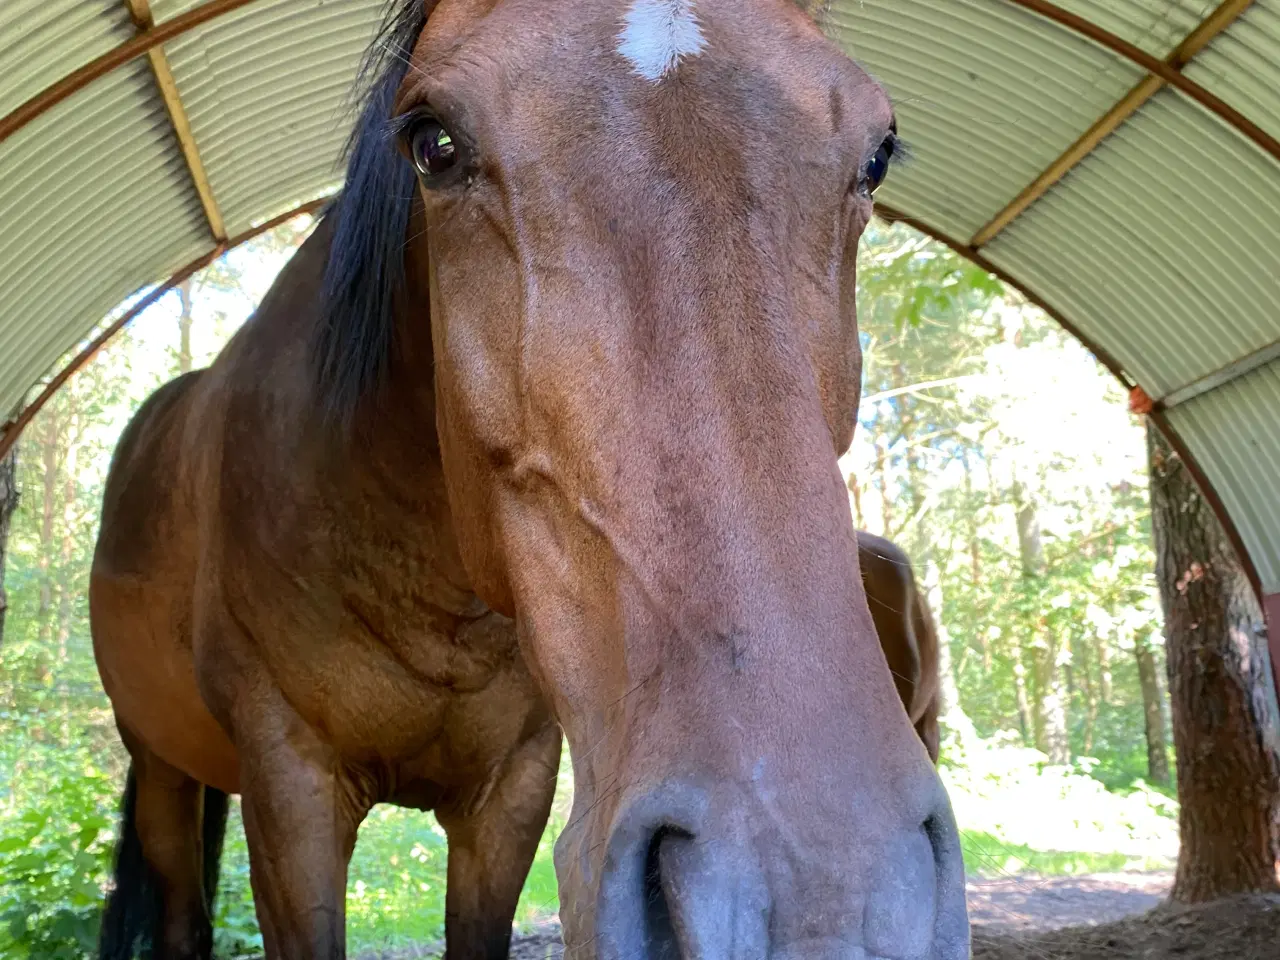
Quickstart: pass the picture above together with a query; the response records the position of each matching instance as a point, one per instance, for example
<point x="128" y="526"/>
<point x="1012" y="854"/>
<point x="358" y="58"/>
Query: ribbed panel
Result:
<point x="1234" y="432"/>
<point x="1162" y="245"/>
<point x="987" y="96"/>
<point x="1157" y="26"/>
<point x="168" y="9"/>
<point x="1243" y="65"/>
<point x="267" y="90"/>
<point x="41" y="41"/>
<point x="95" y="204"/>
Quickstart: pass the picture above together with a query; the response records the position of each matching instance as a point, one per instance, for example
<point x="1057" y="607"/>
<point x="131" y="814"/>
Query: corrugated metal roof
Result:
<point x="271" y="136"/>
<point x="163" y="10"/>
<point x="94" y="203"/>
<point x="1162" y="246"/>
<point x="42" y="42"/>
<point x="1235" y="432"/>
<point x="1243" y="67"/>
<point x="1156" y="26"/>
<point x="986" y="97"/>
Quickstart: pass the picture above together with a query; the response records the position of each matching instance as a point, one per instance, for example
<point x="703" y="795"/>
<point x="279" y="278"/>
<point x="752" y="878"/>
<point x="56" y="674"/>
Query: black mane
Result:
<point x="351" y="347"/>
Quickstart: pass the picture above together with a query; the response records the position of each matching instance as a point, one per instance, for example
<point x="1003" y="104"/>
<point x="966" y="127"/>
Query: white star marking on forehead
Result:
<point x="658" y="33"/>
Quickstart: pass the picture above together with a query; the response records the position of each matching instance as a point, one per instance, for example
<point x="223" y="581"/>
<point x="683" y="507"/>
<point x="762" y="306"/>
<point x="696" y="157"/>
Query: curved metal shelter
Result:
<point x="1116" y="160"/>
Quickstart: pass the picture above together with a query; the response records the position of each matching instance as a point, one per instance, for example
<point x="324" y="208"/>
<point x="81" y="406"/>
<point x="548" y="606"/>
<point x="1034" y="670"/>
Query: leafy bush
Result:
<point x="1020" y="813"/>
<point x="57" y="832"/>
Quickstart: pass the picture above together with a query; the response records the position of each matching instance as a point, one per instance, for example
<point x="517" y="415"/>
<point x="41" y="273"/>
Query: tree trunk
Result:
<point x="67" y="552"/>
<point x="1030" y="543"/>
<point x="1092" y="699"/>
<point x="1051" y="717"/>
<point x="917" y="544"/>
<point x="1026" y="723"/>
<point x="8" y="504"/>
<point x="951" y="711"/>
<point x="975" y="549"/>
<point x="1152" y="712"/>
<point x="1053" y="703"/>
<point x="1103" y="652"/>
<point x="975" y="554"/>
<point x="50" y="462"/>
<point x="1031" y="554"/>
<point x="184" y="327"/>
<point x="855" y="492"/>
<point x="886" y="495"/>
<point x="1224" y="727"/>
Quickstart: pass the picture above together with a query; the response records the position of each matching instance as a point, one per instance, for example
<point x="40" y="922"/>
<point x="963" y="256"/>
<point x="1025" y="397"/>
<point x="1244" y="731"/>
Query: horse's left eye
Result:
<point x="877" y="167"/>
<point x="432" y="148"/>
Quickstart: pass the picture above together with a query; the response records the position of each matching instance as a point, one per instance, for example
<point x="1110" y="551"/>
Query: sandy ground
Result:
<point x="1099" y="917"/>
<point x="1023" y="903"/>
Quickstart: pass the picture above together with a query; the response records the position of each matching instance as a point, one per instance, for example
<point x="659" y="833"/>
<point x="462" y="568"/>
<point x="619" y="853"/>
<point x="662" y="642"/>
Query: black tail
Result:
<point x="133" y="906"/>
<point x="132" y="914"/>
<point x="213" y="830"/>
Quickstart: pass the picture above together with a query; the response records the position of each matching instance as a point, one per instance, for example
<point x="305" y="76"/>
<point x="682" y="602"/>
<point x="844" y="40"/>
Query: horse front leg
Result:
<point x="492" y="847"/>
<point x="301" y="813"/>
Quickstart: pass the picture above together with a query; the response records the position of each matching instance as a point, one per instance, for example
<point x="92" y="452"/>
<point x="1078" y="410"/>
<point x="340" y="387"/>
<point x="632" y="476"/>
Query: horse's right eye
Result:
<point x="432" y="148"/>
<point x="878" y="166"/>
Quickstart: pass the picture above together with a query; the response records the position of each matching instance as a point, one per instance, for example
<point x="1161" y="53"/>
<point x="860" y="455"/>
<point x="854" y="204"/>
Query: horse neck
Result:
<point x="397" y="427"/>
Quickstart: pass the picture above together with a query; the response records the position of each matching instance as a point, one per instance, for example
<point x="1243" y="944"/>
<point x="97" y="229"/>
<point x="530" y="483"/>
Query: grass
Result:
<point x="1021" y="814"/>
<point x="395" y="884"/>
<point x="986" y="855"/>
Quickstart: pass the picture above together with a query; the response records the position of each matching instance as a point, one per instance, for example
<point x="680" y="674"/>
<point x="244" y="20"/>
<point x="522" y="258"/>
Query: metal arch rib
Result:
<point x="10" y="431"/>
<point x="1160" y="73"/>
<point x="167" y="85"/>
<point x="1157" y="415"/>
<point x="147" y="40"/>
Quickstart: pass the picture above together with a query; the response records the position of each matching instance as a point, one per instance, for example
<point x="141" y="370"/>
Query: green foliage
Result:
<point x="987" y="855"/>
<point x="1021" y="814"/>
<point x="976" y="410"/>
<point x="57" y="831"/>
<point x="906" y="280"/>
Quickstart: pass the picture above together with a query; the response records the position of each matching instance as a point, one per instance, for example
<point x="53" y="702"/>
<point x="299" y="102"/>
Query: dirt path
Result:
<point x="1025" y="903"/>
<point x="1240" y="928"/>
<point x="1097" y="917"/>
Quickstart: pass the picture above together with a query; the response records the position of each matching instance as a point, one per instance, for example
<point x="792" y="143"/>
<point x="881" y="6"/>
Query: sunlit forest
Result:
<point x="991" y="446"/>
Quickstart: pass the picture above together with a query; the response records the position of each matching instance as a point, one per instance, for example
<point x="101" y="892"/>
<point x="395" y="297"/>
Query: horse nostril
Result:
<point x="916" y="908"/>
<point x="639" y="913"/>
<point x="703" y="899"/>
<point x="659" y="929"/>
<point x="901" y="908"/>
<point x="951" y="926"/>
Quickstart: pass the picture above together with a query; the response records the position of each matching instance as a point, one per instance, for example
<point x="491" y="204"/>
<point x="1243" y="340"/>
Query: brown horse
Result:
<point x="905" y="627"/>
<point x="540" y="426"/>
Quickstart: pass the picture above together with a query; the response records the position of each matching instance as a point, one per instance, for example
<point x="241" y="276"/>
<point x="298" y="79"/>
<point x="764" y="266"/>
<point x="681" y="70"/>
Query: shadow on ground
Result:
<point x="1099" y="917"/>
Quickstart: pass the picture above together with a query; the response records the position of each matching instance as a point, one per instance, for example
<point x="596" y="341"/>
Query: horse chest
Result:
<point x="385" y="649"/>
<point x="428" y="678"/>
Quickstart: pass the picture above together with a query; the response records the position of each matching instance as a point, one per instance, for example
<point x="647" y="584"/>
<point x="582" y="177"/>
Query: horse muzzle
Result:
<point x="685" y="877"/>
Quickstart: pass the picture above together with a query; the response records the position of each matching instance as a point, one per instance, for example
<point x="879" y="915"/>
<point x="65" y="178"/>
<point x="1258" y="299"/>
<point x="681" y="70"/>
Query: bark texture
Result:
<point x="1224" y="722"/>
<point x="1051" y="734"/>
<point x="8" y="504"/>
<point x="1152" y="713"/>
<point x="184" y="326"/>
